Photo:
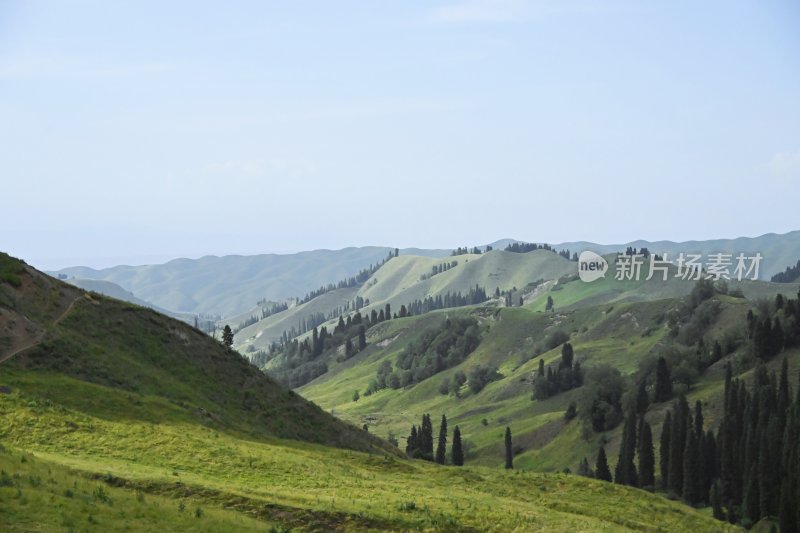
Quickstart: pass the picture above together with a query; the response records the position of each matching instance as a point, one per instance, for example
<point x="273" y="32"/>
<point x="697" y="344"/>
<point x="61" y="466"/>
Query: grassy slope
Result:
<point x="135" y="349"/>
<point x="297" y="484"/>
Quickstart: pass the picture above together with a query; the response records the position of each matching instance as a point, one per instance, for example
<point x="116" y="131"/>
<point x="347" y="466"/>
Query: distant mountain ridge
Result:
<point x="230" y="285"/>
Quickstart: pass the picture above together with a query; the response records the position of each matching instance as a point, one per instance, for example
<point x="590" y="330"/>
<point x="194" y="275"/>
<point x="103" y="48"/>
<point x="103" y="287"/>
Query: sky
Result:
<point x="136" y="132"/>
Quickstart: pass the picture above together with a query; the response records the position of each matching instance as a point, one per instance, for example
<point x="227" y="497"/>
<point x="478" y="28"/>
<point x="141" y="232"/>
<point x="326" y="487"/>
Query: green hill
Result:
<point x="614" y="323"/>
<point x="405" y="279"/>
<point x="113" y="416"/>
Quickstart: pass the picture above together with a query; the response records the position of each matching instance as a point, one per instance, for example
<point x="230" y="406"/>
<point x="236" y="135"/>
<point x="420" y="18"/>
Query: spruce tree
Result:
<point x="601" y="470"/>
<point x="412" y="443"/>
<point x="663" y="390"/>
<point x="716" y="501"/>
<point x="441" y="446"/>
<point x="646" y="456"/>
<point x="362" y="338"/>
<point x="664" y="453"/>
<point x="456" y="451"/>
<point x="625" y="473"/>
<point x="509" y="450"/>
<point x="677" y="444"/>
<point x="692" y="491"/>
<point x="227" y="336"/>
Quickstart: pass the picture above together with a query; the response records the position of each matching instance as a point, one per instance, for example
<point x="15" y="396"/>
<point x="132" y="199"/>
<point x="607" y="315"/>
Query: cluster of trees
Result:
<point x="419" y="444"/>
<point x="525" y="247"/>
<point x="476" y="295"/>
<point x="567" y="375"/>
<point x="790" y="275"/>
<point x="464" y="251"/>
<point x="437" y="349"/>
<point x="776" y="327"/>
<point x="274" y="309"/>
<point x="438" y="269"/>
<point x="748" y="470"/>
<point x="630" y="250"/>
<point x="354" y="281"/>
<point x="300" y="362"/>
<point x="479" y="376"/>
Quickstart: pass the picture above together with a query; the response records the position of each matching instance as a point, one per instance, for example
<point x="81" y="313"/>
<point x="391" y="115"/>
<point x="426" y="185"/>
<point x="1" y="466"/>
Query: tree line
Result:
<point x="790" y="275"/>
<point x="476" y="295"/>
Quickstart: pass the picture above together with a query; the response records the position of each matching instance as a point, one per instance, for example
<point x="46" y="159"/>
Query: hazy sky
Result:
<point x="140" y="131"/>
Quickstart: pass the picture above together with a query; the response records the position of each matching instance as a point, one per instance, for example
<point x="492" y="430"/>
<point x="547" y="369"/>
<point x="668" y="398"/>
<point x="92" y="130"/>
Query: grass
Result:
<point x="300" y="485"/>
<point x="42" y="495"/>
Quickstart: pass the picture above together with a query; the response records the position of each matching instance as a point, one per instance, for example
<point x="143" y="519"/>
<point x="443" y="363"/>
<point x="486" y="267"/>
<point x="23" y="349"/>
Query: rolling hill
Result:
<point x="230" y="285"/>
<point x="403" y="280"/>
<point x="114" y="416"/>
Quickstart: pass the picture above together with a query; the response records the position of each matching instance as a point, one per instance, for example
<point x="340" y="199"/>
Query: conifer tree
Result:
<point x="412" y="443"/>
<point x="646" y="456"/>
<point x="456" y="451"/>
<point x="625" y="473"/>
<point x="692" y="491"/>
<point x="663" y="390"/>
<point x="509" y="450"/>
<point x="362" y="338"/>
<point x="441" y="446"/>
<point x="664" y="453"/>
<point x="227" y="336"/>
<point x="601" y="470"/>
<point x="716" y="502"/>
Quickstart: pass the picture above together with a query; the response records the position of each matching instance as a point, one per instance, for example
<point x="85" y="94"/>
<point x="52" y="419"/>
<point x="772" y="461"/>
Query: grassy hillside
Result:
<point x="117" y="418"/>
<point x="116" y="344"/>
<point x="404" y="279"/>
<point x="620" y="324"/>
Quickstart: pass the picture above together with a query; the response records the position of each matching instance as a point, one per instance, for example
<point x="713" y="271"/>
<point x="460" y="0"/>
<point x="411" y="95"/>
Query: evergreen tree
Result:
<point x="412" y="444"/>
<point x="362" y="338"/>
<point x="227" y="336"/>
<point x="456" y="451"/>
<point x="625" y="473"/>
<point x="601" y="470"/>
<point x="646" y="456"/>
<point x="663" y="390"/>
<point x="692" y="491"/>
<point x="441" y="446"/>
<point x="584" y="469"/>
<point x="664" y="454"/>
<point x="677" y="444"/>
<point x="425" y="436"/>
<point x="716" y="501"/>
<point x="509" y="450"/>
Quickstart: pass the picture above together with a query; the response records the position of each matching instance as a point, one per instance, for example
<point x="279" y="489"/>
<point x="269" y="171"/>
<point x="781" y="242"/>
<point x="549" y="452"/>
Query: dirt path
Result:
<point x="41" y="335"/>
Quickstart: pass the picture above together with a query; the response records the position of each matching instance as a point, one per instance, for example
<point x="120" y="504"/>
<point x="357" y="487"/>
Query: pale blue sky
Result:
<point x="140" y="131"/>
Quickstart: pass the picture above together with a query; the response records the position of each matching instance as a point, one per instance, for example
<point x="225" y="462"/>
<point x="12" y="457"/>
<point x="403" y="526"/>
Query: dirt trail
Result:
<point x="41" y="335"/>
